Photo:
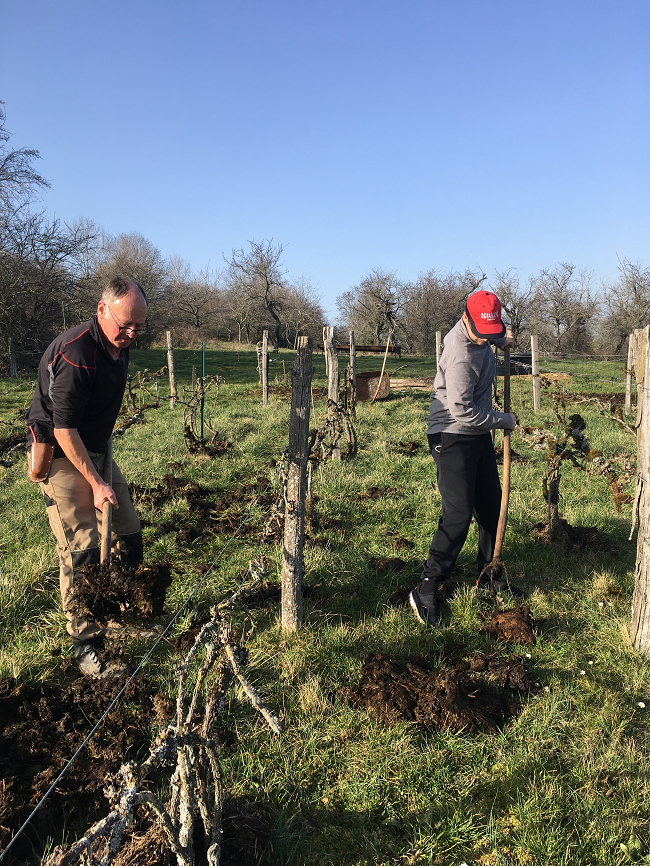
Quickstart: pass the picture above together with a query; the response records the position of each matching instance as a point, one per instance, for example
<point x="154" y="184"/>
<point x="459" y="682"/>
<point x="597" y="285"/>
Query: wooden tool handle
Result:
<point x="107" y="508"/>
<point x="505" y="489"/>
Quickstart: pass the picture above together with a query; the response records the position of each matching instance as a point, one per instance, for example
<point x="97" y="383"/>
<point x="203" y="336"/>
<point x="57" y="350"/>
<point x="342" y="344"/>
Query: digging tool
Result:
<point x="505" y="488"/>
<point x="497" y="563"/>
<point x="107" y="508"/>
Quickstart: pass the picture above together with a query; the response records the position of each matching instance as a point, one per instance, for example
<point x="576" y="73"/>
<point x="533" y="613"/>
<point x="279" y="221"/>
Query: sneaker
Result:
<point x="486" y="584"/>
<point x="87" y="655"/>
<point x="425" y="604"/>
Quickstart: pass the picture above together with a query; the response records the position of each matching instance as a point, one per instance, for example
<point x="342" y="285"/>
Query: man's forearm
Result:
<point x="74" y="449"/>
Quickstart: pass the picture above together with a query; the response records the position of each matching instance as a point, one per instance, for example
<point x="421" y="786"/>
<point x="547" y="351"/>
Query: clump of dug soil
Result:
<point x="476" y="695"/>
<point x="114" y="592"/>
<point x="407" y="448"/>
<point x="387" y="564"/>
<point x="375" y="493"/>
<point x="575" y="537"/>
<point x="515" y="625"/>
<point x="214" y="447"/>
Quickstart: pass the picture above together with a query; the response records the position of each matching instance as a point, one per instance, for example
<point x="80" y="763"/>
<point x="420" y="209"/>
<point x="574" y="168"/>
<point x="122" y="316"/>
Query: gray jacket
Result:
<point x="462" y="399"/>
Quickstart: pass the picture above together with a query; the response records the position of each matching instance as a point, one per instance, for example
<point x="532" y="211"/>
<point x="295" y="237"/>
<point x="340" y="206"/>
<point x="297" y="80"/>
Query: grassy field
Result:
<point x="566" y="782"/>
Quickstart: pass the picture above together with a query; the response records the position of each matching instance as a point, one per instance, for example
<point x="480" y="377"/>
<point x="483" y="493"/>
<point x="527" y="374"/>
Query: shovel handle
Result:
<point x="107" y="508"/>
<point x="505" y="489"/>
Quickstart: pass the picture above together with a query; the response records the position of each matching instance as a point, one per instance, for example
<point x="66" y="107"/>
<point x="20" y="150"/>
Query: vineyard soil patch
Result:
<point x="478" y="695"/>
<point x="41" y="729"/>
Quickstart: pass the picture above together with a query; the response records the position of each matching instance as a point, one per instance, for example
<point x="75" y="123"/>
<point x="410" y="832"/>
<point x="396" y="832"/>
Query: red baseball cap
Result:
<point x="484" y="313"/>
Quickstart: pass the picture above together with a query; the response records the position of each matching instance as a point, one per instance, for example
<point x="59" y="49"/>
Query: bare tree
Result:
<point x="563" y="305"/>
<point x="374" y="308"/>
<point x="303" y="314"/>
<point x="240" y="309"/>
<point x="256" y="274"/>
<point x="192" y="300"/>
<point x="137" y="258"/>
<point x="39" y="278"/>
<point x="627" y="302"/>
<point x="19" y="181"/>
<point x="435" y="303"/>
<point x="515" y="300"/>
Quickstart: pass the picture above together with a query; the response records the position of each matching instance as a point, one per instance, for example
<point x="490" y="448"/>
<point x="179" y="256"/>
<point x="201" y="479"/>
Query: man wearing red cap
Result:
<point x="460" y="422"/>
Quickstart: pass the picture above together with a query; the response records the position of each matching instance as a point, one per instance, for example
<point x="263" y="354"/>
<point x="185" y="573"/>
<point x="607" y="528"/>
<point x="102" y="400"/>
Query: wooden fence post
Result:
<point x="640" y="630"/>
<point x="332" y="366"/>
<point x="353" y="369"/>
<point x="628" y="374"/>
<point x="172" y="370"/>
<point x="537" y="396"/>
<point x="13" y="366"/>
<point x="293" y="564"/>
<point x="438" y="348"/>
<point x="265" y="368"/>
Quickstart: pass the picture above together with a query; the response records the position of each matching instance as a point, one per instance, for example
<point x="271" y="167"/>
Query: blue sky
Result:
<point x="444" y="134"/>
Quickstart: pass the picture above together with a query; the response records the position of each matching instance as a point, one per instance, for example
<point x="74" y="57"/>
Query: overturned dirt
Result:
<point x="399" y="596"/>
<point x="209" y="512"/>
<point x="515" y="457"/>
<point x="114" y="592"/>
<point x="246" y="832"/>
<point x="575" y="537"/>
<point x="376" y="493"/>
<point x="387" y="564"/>
<point x="476" y="695"/>
<point x="515" y="625"/>
<point x="41" y="728"/>
<point x="407" y="448"/>
<point x="213" y="447"/>
<point x="398" y="541"/>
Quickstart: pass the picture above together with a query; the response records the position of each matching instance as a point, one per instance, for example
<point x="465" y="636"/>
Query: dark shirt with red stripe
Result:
<point x="79" y="387"/>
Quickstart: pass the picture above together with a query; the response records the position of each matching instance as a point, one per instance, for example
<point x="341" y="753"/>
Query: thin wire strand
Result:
<point x="144" y="660"/>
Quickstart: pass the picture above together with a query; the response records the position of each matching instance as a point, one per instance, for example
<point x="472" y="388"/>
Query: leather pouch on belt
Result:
<point x="39" y="461"/>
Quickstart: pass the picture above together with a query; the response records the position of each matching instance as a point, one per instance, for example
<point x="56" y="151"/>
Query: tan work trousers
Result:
<point x="77" y="527"/>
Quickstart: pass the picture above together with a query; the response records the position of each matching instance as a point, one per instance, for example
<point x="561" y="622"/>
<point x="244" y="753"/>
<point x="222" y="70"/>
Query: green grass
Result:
<point x="564" y="783"/>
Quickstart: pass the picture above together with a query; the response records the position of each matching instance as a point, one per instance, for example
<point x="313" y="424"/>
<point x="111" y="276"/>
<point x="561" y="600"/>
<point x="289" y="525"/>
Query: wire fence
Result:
<point x="141" y="665"/>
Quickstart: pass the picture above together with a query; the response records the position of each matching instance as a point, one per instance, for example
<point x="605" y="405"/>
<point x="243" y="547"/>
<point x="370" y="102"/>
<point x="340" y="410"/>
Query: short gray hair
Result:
<point x="119" y="287"/>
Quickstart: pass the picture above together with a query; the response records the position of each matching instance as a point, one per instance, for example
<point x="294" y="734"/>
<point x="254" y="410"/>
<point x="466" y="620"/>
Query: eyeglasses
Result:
<point x="135" y="329"/>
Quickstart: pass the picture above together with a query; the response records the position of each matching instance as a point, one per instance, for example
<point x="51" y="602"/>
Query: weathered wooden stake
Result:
<point x="640" y="631"/>
<point x="628" y="375"/>
<point x="265" y="368"/>
<point x="537" y="394"/>
<point x="13" y="366"/>
<point x="353" y="368"/>
<point x="172" y="370"/>
<point x="438" y="348"/>
<point x="332" y="366"/>
<point x="293" y="564"/>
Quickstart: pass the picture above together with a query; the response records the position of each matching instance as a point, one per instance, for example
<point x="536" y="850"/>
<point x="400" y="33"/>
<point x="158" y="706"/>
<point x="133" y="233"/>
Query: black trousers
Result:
<point x="468" y="480"/>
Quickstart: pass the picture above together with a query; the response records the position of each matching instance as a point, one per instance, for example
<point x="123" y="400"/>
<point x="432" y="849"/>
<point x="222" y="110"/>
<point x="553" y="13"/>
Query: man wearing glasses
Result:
<point x="81" y="381"/>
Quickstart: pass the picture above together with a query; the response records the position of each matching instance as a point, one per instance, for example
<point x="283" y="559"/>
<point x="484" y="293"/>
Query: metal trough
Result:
<point x="367" y="385"/>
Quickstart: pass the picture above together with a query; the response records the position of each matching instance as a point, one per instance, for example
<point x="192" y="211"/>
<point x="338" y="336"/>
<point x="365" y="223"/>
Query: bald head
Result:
<point x="119" y="287"/>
